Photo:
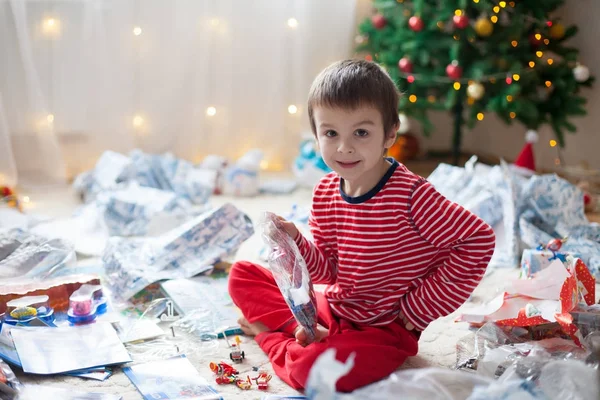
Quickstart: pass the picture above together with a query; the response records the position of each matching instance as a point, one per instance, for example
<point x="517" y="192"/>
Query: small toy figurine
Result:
<point x="244" y="384"/>
<point x="223" y="369"/>
<point x="236" y="355"/>
<point x="262" y="380"/>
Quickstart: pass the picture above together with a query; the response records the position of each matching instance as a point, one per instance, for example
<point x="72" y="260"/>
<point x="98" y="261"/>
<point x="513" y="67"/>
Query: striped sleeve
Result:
<point x="320" y="258"/>
<point x="470" y="242"/>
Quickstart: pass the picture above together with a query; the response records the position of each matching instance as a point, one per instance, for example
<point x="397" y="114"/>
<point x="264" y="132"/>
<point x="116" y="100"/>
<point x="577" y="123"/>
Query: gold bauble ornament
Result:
<point x="475" y="90"/>
<point x="557" y="31"/>
<point x="484" y="27"/>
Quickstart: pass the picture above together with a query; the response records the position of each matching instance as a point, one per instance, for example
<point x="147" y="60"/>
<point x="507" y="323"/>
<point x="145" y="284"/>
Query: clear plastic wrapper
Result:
<point x="9" y="384"/>
<point x="291" y="274"/>
<point x="188" y="335"/>
<point x="23" y="254"/>
<point x="492" y="350"/>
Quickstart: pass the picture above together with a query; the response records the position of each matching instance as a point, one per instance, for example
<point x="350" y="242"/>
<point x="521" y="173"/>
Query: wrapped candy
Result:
<point x="290" y="273"/>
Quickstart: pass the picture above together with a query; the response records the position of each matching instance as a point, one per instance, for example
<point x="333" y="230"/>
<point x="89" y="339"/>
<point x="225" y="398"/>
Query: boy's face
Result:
<point x="352" y="142"/>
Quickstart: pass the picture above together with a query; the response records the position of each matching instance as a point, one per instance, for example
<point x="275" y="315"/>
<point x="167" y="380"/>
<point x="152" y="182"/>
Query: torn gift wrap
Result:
<point x="549" y="296"/>
<point x="110" y="169"/>
<point x="194" y="247"/>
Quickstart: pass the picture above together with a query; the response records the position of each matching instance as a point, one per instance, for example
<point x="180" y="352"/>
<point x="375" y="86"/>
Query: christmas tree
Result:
<point x="474" y="57"/>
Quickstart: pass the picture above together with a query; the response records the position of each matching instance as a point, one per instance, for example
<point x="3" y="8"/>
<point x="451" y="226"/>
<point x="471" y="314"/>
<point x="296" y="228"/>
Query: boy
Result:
<point x="395" y="254"/>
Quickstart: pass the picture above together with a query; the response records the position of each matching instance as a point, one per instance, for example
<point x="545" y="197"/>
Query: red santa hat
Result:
<point x="525" y="158"/>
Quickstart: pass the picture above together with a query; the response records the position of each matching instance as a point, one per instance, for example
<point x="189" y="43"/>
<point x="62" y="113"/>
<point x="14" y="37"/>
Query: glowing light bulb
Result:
<point x="509" y="98"/>
<point x="546" y="41"/>
<point x="550" y="61"/>
<point x="513" y="115"/>
<point x="137" y="31"/>
<point x="553" y="143"/>
<point x="531" y="64"/>
<point x="410" y="78"/>
<point x="514" y="43"/>
<point x="264" y="164"/>
<point x="548" y="83"/>
<point x="538" y="36"/>
<point x="456" y="85"/>
<point x="292" y="23"/>
<point x="480" y="116"/>
<point x="502" y="4"/>
<point x="292" y="109"/>
<point x="211" y="111"/>
<point x="138" y="121"/>
<point x="494" y="19"/>
<point x="26" y="199"/>
<point x="214" y="22"/>
<point x="496" y="9"/>
<point x="431" y="98"/>
<point x="475" y="1"/>
<point x="51" y="26"/>
<point x="50" y="118"/>
<point x="539" y="53"/>
<point x="412" y="98"/>
<point x="516" y="77"/>
<point x="458" y="13"/>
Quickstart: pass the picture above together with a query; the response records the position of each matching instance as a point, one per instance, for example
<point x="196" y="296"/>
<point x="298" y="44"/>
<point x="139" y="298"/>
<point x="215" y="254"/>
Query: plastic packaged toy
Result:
<point x="85" y="304"/>
<point x="24" y="310"/>
<point x="290" y="273"/>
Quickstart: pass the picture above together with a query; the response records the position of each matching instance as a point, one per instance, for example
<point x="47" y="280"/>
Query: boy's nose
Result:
<point x="345" y="147"/>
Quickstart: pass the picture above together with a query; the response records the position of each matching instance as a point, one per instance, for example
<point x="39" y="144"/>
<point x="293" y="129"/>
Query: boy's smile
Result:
<point x="352" y="143"/>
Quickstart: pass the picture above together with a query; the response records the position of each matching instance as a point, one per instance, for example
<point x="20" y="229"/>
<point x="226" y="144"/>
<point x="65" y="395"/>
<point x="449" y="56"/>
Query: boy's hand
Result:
<point x="302" y="336"/>
<point x="289" y="227"/>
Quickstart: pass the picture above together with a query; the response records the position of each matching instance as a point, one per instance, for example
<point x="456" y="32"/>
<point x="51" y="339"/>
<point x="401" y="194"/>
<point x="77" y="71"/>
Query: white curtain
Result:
<point x="192" y="77"/>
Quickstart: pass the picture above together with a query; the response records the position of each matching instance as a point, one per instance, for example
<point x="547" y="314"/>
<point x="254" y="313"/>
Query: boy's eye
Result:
<point x="361" y="133"/>
<point x="330" y="133"/>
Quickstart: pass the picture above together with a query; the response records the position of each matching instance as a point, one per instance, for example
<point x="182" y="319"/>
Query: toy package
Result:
<point x="25" y="309"/>
<point x="85" y="304"/>
<point x="290" y="273"/>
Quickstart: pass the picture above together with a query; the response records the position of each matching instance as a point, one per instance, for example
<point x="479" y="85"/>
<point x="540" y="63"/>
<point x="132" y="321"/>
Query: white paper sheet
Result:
<point x="68" y="348"/>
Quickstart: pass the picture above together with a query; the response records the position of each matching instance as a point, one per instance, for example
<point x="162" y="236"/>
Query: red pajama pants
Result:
<point x="379" y="350"/>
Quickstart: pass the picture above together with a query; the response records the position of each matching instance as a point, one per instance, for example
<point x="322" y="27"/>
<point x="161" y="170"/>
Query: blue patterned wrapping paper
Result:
<point x="129" y="212"/>
<point x="533" y="260"/>
<point x="554" y="209"/>
<point x="158" y="171"/>
<point x="133" y="263"/>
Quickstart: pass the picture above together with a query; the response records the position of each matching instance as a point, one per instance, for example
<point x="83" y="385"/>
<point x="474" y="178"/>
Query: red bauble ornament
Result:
<point x="460" y="21"/>
<point x="416" y="23"/>
<point x="453" y="70"/>
<point x="378" y="21"/>
<point x="587" y="199"/>
<point x="405" y="65"/>
<point x="5" y="191"/>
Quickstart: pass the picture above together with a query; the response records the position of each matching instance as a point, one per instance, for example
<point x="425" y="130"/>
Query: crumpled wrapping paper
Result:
<point x="524" y="212"/>
<point x="164" y="172"/>
<point x="131" y="264"/>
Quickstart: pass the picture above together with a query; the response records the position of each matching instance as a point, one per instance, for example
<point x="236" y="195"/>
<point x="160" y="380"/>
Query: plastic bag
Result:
<point x="290" y="273"/>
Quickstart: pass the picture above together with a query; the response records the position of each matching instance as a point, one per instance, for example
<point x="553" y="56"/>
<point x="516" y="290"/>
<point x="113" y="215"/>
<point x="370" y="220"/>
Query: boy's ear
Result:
<point x="391" y="136"/>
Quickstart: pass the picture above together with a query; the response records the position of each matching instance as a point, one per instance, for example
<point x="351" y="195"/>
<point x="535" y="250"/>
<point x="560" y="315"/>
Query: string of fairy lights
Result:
<point x="51" y="28"/>
<point x="483" y="27"/>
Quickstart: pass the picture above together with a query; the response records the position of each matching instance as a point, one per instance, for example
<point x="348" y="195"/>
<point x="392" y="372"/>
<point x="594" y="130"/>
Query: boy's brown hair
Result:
<point x="350" y="84"/>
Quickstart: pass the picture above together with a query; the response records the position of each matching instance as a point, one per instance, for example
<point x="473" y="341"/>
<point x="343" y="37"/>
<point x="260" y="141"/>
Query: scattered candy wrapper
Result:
<point x="549" y="296"/>
<point x="133" y="263"/>
<point x="23" y="254"/>
<point x="290" y="273"/>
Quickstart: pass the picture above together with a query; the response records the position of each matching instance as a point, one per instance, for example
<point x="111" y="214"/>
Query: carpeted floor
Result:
<point x="437" y="344"/>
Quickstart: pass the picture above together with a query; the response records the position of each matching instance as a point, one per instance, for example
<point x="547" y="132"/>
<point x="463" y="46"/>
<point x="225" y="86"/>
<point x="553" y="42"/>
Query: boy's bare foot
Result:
<point x="302" y="335"/>
<point x="252" y="329"/>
